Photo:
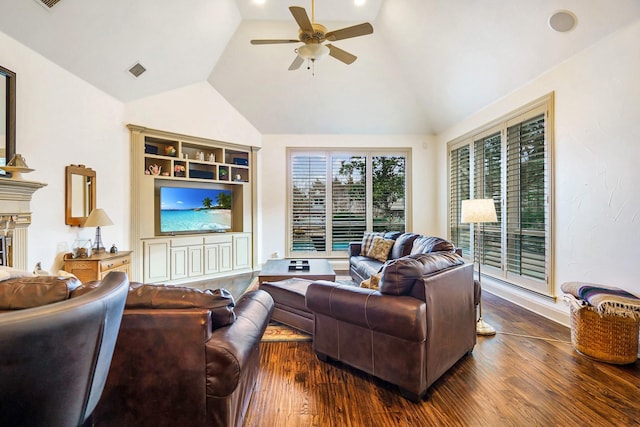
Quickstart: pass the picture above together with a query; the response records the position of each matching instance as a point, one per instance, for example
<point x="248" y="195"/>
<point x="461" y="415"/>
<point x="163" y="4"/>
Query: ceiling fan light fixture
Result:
<point x="313" y="51"/>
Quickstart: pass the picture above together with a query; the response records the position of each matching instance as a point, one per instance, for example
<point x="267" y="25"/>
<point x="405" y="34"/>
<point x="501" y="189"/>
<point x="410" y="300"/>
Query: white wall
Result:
<point x="597" y="164"/>
<point x="62" y="120"/>
<point x="273" y="184"/>
<point x="194" y="110"/>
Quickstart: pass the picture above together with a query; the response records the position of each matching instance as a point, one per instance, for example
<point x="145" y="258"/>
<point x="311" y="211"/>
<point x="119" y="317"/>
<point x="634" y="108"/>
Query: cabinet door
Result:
<point x="156" y="261"/>
<point x="226" y="259"/>
<point x="195" y="261"/>
<point x="241" y="251"/>
<point x="211" y="256"/>
<point x="179" y="263"/>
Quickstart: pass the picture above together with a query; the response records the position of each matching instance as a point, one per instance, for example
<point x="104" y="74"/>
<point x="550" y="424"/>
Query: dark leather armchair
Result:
<point x="54" y="358"/>
<point x="410" y="332"/>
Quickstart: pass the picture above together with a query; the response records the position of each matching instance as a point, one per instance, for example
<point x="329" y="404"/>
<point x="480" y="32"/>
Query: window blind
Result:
<point x="459" y="190"/>
<point x="527" y="213"/>
<point x="308" y="209"/>
<point x="488" y="185"/>
<point x="337" y="195"/>
<point x="511" y="164"/>
<point x="348" y="194"/>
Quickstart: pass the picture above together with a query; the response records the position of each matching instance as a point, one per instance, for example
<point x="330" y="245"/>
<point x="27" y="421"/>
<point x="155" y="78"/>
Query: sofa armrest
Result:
<point x="399" y="316"/>
<point x="355" y="248"/>
<point x="230" y="346"/>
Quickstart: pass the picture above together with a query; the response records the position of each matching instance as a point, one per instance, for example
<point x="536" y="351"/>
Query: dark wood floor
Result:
<point x="511" y="379"/>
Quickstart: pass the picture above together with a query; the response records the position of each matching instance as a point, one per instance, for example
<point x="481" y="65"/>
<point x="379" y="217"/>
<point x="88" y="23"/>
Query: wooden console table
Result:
<point x="97" y="266"/>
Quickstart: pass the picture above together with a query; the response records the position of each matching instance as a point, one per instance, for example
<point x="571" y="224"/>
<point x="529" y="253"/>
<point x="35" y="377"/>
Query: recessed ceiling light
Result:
<point x="359" y="2"/>
<point x="562" y="21"/>
<point x="259" y="1"/>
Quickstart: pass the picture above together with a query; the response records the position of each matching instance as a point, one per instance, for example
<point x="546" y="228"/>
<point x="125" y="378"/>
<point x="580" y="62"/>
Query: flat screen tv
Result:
<point x="194" y="210"/>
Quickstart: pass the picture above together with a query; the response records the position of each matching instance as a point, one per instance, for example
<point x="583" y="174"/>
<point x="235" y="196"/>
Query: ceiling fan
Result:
<point x="313" y="35"/>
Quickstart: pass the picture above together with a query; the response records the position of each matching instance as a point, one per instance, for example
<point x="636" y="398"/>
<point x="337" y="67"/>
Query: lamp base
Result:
<point x="483" y="328"/>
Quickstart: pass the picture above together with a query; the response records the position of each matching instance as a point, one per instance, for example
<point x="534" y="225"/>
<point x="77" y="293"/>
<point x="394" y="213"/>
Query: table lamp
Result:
<point x="98" y="218"/>
<point x="479" y="211"/>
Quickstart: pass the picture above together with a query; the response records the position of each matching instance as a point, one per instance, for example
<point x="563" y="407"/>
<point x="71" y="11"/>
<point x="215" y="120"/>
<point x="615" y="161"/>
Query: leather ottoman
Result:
<point x="289" y="298"/>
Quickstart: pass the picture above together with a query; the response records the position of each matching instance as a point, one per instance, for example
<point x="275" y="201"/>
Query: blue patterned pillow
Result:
<point x="367" y="242"/>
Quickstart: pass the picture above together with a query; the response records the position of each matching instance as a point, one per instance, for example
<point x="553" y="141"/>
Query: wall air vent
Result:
<point x="47" y="4"/>
<point x="137" y="70"/>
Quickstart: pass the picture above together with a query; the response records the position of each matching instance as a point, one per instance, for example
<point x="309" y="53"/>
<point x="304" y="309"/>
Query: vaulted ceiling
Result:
<point x="428" y="64"/>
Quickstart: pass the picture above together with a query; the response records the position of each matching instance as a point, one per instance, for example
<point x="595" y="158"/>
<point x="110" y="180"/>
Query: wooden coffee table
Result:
<point x="278" y="269"/>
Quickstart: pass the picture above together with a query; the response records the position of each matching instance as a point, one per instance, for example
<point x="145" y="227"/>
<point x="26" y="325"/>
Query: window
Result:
<point x="335" y="196"/>
<point x="508" y="161"/>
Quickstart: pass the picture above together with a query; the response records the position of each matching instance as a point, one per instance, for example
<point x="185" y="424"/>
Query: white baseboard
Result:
<point x="555" y="311"/>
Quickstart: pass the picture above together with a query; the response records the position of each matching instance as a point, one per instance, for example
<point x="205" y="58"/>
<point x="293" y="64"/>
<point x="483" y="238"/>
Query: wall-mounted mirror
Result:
<point x="7" y="116"/>
<point x="80" y="194"/>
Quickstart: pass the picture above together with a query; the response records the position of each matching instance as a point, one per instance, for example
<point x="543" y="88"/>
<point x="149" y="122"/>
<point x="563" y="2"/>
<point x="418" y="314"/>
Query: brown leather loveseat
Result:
<point x="184" y="357"/>
<point x="410" y="331"/>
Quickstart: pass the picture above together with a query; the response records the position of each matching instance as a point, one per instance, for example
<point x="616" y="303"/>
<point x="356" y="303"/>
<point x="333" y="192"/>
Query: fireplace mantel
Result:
<point x="15" y="208"/>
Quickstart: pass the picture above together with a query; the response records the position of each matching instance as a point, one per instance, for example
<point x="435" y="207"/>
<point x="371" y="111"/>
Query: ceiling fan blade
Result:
<point x="346" y="33"/>
<point x="301" y="17"/>
<point x="273" y="41"/>
<point x="341" y="55"/>
<point x="296" y="63"/>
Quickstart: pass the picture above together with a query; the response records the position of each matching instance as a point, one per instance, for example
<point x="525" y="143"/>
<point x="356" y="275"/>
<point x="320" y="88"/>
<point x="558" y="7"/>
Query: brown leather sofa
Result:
<point x="184" y="357"/>
<point x="418" y="324"/>
<point x="56" y="347"/>
<point x="361" y="266"/>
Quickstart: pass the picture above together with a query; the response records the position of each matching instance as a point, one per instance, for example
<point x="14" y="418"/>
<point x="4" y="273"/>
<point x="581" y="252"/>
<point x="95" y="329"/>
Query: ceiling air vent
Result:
<point x="48" y="3"/>
<point x="137" y="69"/>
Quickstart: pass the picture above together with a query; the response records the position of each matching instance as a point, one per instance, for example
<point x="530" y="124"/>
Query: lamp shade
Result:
<point x="313" y="51"/>
<point x="478" y="211"/>
<point x="98" y="218"/>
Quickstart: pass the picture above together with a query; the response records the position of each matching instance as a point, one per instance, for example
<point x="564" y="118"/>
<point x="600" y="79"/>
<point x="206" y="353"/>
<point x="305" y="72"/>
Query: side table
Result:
<point x="97" y="266"/>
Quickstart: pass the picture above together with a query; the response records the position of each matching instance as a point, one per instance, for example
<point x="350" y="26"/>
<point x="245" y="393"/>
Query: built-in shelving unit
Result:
<point x="160" y="158"/>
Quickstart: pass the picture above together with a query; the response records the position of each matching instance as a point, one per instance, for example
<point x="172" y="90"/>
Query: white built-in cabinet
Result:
<point x="181" y="259"/>
<point x="161" y="158"/>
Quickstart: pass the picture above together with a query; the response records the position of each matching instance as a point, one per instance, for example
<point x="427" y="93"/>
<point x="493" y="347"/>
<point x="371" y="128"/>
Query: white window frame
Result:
<point x="544" y="106"/>
<point x="328" y="152"/>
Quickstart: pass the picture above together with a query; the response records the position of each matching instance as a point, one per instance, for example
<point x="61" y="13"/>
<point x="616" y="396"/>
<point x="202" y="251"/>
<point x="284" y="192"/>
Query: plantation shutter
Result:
<point x="388" y="193"/>
<point x="459" y="190"/>
<point x="348" y="200"/>
<point x="527" y="208"/>
<point x="308" y="221"/>
<point x="487" y="185"/>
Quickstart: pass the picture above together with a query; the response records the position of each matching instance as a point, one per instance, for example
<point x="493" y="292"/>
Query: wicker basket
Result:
<point x="611" y="339"/>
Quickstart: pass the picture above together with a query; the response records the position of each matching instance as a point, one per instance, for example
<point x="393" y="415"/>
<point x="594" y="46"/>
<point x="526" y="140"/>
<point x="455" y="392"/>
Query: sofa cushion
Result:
<point x="393" y="235"/>
<point x="219" y="301"/>
<point x="380" y="248"/>
<point x="365" y="266"/>
<point x="28" y="292"/>
<point x="367" y="242"/>
<point x="402" y="245"/>
<point x="399" y="275"/>
<point x="425" y="245"/>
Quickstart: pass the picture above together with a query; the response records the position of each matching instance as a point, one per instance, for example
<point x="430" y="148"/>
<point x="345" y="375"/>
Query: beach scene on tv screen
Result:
<point x="194" y="210"/>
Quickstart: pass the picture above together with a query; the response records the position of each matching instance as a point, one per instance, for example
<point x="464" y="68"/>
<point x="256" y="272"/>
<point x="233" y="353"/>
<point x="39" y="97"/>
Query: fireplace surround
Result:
<point x="15" y="218"/>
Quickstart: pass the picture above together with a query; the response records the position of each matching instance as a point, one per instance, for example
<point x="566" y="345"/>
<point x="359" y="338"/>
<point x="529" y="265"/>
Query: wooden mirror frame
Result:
<point x="90" y="176"/>
<point x="10" y="110"/>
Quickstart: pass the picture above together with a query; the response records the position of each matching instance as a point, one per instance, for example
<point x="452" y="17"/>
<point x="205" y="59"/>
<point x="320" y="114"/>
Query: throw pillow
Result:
<point x="403" y="244"/>
<point x="367" y="241"/>
<point x="372" y="282"/>
<point x="380" y="248"/>
<point x="425" y="245"/>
